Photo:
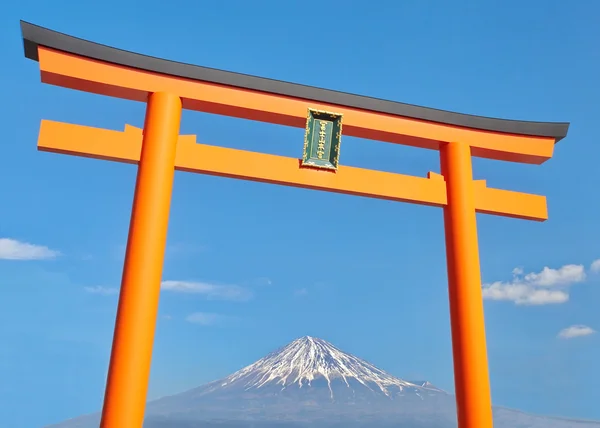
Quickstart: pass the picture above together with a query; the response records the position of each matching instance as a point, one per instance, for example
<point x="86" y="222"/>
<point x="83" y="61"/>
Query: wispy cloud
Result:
<point x="518" y="271"/>
<point x="104" y="291"/>
<point x="211" y="291"/>
<point x="180" y="249"/>
<point x="300" y="292"/>
<point x="595" y="266"/>
<point x="549" y="286"/>
<point x="206" y="318"/>
<point x="575" y="331"/>
<point x="263" y="281"/>
<point x="172" y="250"/>
<point x="11" y="249"/>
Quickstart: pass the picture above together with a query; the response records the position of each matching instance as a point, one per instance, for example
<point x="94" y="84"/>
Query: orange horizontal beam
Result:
<point x="125" y="146"/>
<point x="81" y="73"/>
<point x="225" y="162"/>
<point x="509" y="204"/>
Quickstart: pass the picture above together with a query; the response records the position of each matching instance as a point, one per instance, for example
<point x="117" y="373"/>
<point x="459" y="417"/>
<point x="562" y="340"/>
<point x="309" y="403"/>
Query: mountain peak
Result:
<point x="309" y="360"/>
<point x="311" y="383"/>
<point x="307" y="339"/>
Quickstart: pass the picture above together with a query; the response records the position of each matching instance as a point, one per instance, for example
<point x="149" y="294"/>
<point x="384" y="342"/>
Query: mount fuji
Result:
<point x="311" y="383"/>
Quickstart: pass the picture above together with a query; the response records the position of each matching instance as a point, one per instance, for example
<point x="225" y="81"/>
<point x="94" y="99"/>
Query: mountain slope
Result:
<point x="311" y="383"/>
<point x="308" y="361"/>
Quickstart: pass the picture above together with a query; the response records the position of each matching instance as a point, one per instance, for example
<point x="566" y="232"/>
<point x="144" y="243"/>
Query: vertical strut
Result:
<point x="471" y="377"/>
<point x="131" y="357"/>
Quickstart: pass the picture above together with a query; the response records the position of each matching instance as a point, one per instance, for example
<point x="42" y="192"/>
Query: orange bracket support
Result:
<point x="125" y="146"/>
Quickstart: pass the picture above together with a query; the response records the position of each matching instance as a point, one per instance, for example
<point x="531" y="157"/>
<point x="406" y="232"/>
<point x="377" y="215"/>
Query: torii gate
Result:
<point x="159" y="150"/>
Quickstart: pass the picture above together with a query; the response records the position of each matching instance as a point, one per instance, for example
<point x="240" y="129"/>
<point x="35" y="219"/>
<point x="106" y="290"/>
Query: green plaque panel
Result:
<point x="322" y="139"/>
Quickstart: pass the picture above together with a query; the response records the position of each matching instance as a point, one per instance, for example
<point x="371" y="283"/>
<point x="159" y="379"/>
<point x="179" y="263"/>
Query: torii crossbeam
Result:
<point x="159" y="150"/>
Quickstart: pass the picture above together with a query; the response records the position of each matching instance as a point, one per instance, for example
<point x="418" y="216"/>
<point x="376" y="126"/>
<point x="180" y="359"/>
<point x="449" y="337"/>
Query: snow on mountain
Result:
<point x="425" y="384"/>
<point x="311" y="383"/>
<point x="308" y="359"/>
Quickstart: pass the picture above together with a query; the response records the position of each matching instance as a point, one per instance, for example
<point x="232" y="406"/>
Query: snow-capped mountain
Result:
<point x="308" y="360"/>
<point x="311" y="383"/>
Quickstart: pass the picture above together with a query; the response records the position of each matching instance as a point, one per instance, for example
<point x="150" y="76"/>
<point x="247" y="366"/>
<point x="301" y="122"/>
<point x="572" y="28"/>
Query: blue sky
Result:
<point x="235" y="246"/>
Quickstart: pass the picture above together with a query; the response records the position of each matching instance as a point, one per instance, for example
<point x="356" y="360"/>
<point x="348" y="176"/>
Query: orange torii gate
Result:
<point x="159" y="150"/>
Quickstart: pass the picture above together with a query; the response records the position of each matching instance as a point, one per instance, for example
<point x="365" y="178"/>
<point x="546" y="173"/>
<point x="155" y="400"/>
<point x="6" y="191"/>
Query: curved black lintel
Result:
<point x="34" y="36"/>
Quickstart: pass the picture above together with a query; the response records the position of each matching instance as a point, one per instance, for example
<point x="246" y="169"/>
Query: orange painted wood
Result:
<point x="131" y="356"/>
<point x="471" y="376"/>
<point x="76" y="72"/>
<point x="125" y="146"/>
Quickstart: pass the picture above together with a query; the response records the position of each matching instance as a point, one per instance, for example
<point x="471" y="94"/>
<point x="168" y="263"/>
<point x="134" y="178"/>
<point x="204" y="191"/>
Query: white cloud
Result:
<point x="575" y="331"/>
<point x="105" y="291"/>
<point x="595" y="266"/>
<point x="205" y="318"/>
<point x="211" y="291"/>
<point x="565" y="275"/>
<point x="517" y="271"/>
<point x="549" y="286"/>
<point x="11" y="249"/>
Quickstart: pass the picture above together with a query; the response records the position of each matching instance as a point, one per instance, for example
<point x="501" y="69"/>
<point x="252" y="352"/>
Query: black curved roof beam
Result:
<point x="36" y="37"/>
